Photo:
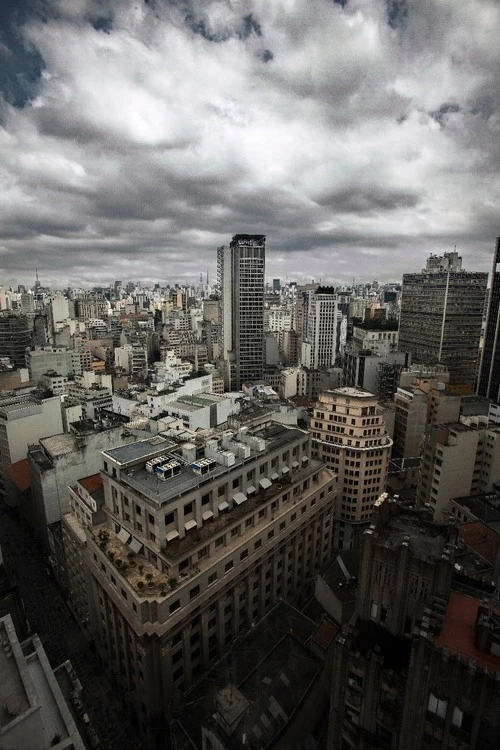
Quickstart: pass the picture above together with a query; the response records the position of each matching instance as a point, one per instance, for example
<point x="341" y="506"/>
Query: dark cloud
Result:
<point x="146" y="134"/>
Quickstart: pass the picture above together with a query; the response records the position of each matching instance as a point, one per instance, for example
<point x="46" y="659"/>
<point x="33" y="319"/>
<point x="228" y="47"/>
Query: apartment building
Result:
<point x="349" y="435"/>
<point x="459" y="459"/>
<point x="441" y="317"/>
<point x="200" y="541"/>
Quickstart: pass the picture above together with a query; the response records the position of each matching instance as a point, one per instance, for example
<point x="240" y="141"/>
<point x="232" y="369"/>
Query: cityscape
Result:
<point x="249" y="375"/>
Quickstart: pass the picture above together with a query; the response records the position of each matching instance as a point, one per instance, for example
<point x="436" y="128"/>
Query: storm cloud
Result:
<point x="136" y="137"/>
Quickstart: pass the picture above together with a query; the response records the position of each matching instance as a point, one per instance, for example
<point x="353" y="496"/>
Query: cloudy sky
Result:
<point x="136" y="136"/>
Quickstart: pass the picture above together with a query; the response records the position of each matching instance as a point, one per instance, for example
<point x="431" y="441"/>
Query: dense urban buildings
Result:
<point x="198" y="463"/>
<point x="240" y="270"/>
<point x="441" y="316"/>
<point x="489" y="377"/>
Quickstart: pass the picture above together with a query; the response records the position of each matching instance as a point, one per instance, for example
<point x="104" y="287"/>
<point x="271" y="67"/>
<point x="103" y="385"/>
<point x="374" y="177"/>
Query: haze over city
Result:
<point x="136" y="137"/>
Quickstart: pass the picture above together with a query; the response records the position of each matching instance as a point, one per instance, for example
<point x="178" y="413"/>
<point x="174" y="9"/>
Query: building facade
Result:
<point x="417" y="666"/>
<point x="349" y="435"/>
<point x="240" y="270"/>
<point x="441" y="319"/>
<point x="489" y="376"/>
<point x="194" y="551"/>
<point x="321" y="319"/>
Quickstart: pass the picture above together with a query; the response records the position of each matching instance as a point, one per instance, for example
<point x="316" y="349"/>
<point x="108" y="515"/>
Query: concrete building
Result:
<point x="417" y="407"/>
<point x="321" y="320"/>
<point x="197" y="549"/>
<point x="24" y="419"/>
<point x="376" y="373"/>
<point x="441" y="318"/>
<point x="349" y="435"/>
<point x="34" y="714"/>
<point x="489" y="375"/>
<point x="380" y="342"/>
<point x="58" y="461"/>
<point x="204" y="411"/>
<point x="241" y="272"/>
<point x="86" y="501"/>
<point x="90" y="305"/>
<point x="15" y="337"/>
<point x="43" y="359"/>
<point x="417" y="666"/>
<point x="459" y="459"/>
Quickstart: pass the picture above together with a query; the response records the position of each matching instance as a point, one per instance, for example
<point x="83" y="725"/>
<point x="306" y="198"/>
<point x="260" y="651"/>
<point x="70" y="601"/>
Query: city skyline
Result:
<point x="136" y="137"/>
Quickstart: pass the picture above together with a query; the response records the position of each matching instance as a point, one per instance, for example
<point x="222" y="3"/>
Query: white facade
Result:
<point x="320" y="335"/>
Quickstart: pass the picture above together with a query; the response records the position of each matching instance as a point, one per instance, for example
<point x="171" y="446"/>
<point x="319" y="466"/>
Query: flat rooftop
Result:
<point x="271" y="669"/>
<point x="126" y="454"/>
<point x="426" y="538"/>
<point x="458" y="633"/>
<point x="353" y="392"/>
<point x="160" y="492"/>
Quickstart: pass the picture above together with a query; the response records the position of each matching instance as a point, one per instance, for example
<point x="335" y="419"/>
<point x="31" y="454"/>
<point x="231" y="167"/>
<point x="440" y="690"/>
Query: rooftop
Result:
<point x="459" y="631"/>
<point x="271" y="669"/>
<point x="349" y="392"/>
<point x="158" y="492"/>
<point x="427" y="539"/>
<point x="482" y="539"/>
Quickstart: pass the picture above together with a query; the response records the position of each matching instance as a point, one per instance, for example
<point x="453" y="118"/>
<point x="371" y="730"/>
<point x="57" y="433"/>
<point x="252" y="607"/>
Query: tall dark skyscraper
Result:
<point x="489" y="376"/>
<point x="241" y="269"/>
<point x="441" y="317"/>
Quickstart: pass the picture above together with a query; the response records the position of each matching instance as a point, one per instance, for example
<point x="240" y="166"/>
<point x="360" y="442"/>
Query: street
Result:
<point x="50" y="618"/>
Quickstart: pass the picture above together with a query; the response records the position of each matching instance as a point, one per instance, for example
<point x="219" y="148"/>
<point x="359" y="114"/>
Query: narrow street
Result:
<point x="49" y="617"/>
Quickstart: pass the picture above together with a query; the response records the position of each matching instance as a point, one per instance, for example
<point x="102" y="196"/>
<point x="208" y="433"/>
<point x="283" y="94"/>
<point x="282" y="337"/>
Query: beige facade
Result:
<point x="459" y="460"/>
<point x="349" y="435"/>
<point x="182" y="566"/>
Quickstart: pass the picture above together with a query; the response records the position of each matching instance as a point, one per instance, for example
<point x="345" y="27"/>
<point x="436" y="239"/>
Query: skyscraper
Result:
<point x="489" y="376"/>
<point x="441" y="317"/>
<point x="321" y="319"/>
<point x="240" y="270"/>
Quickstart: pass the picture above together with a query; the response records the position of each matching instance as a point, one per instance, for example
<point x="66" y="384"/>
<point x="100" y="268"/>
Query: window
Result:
<point x="437" y="707"/>
<point x="174" y="606"/>
<point x="194" y="592"/>
<point x="235" y="531"/>
<point x="270" y="534"/>
<point x="228" y="566"/>
<point x="219" y="541"/>
<point x="257" y="544"/>
<point x="222" y="490"/>
<point x="212" y="578"/>
<point x="205" y="499"/>
<point x="177" y="656"/>
<point x="244" y="554"/>
<point x="188" y="508"/>
<point x="248" y="522"/>
<point x="169" y="518"/>
<point x="138" y="510"/>
<point x="236" y="482"/>
<point x="151" y="518"/>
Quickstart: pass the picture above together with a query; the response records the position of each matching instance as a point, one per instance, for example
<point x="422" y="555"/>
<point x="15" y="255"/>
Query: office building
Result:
<point x="489" y="376"/>
<point x="15" y="337"/>
<point x="90" y="305"/>
<point x="441" y="317"/>
<point x="43" y="359"/>
<point x="349" y="435"/>
<point x="321" y="334"/>
<point x="201" y="540"/>
<point x="417" y="666"/>
<point x="240" y="271"/>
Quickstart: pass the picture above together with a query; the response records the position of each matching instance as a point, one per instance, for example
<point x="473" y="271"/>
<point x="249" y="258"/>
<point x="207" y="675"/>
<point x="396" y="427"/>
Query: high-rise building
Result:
<point x="240" y="270"/>
<point x="489" y="377"/>
<point x="15" y="337"/>
<point x="321" y="319"/>
<point x="349" y="435"/>
<point x="441" y="316"/>
<point x="200" y="541"/>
